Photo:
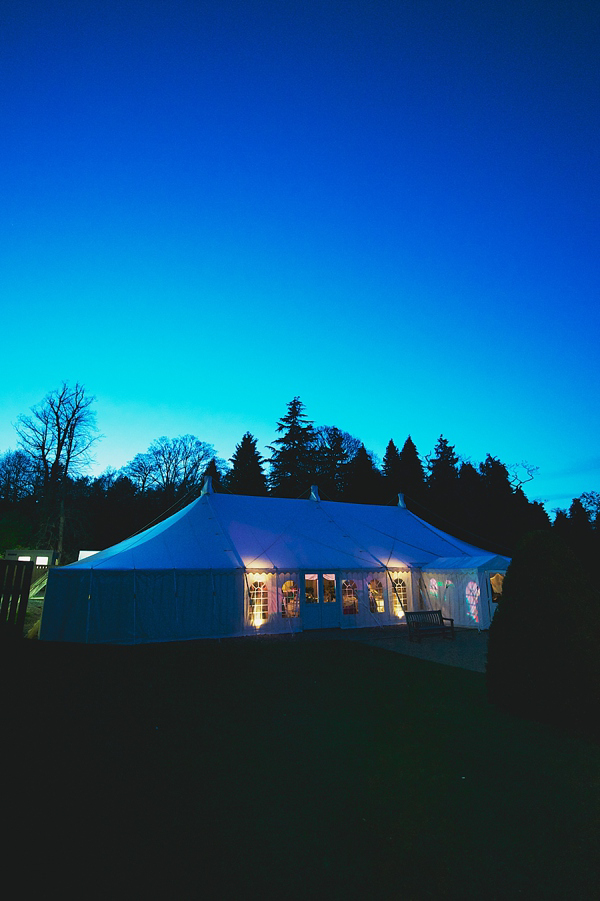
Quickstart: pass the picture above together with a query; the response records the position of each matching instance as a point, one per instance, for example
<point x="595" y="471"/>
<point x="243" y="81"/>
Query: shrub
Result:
<point x="543" y="652"/>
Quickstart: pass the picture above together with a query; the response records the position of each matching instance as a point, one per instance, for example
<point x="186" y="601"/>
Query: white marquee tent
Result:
<point x="231" y="565"/>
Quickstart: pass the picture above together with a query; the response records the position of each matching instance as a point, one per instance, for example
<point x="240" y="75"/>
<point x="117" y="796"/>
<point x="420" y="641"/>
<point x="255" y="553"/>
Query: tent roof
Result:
<point x="225" y="532"/>
<point x="481" y="561"/>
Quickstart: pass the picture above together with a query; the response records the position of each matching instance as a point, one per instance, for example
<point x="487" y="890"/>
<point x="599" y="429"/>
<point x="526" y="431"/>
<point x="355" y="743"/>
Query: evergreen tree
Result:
<point x="500" y="506"/>
<point x="575" y="528"/>
<point x="293" y="460"/>
<point x="391" y="468"/>
<point x="411" y="476"/>
<point x="536" y="666"/>
<point x="246" y="475"/>
<point x="442" y="476"/>
<point x="365" y="484"/>
<point x="471" y="512"/>
<point x="215" y="473"/>
<point x="335" y="451"/>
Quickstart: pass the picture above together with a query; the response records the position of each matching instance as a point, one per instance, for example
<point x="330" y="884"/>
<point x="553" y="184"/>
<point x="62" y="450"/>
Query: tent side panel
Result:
<point x="133" y="607"/>
<point x="112" y="608"/>
<point x="180" y="606"/>
<point x="66" y="606"/>
<point x="457" y="593"/>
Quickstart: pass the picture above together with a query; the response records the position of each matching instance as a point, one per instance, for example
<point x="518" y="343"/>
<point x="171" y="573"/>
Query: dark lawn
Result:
<point x="326" y="769"/>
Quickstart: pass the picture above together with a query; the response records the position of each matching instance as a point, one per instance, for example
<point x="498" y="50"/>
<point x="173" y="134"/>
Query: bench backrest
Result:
<point x="426" y="616"/>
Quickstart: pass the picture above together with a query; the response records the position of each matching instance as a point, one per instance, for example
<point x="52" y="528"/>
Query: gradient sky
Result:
<point x="390" y="209"/>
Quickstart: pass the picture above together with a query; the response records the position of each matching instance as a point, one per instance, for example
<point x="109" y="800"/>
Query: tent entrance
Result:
<point x="321" y="601"/>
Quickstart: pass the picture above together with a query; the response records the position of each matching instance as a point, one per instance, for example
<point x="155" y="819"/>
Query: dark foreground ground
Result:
<point x="291" y="769"/>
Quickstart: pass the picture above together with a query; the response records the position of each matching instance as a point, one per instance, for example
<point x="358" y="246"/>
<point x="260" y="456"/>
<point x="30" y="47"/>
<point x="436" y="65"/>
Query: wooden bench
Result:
<point x="428" y="622"/>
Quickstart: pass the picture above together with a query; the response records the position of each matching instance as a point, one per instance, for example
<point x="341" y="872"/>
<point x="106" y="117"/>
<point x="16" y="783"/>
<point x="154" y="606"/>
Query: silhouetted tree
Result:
<point x="58" y="437"/>
<point x="500" y="505"/>
<point x="442" y="483"/>
<point x="246" y="475"/>
<point x="471" y="514"/>
<point x="543" y="659"/>
<point x="216" y="472"/>
<point x="576" y="530"/>
<point x="391" y="468"/>
<point x="590" y="500"/>
<point x="19" y="476"/>
<point x="411" y="475"/>
<point x="335" y="450"/>
<point x="172" y="465"/>
<point x="293" y="463"/>
<point x="365" y="483"/>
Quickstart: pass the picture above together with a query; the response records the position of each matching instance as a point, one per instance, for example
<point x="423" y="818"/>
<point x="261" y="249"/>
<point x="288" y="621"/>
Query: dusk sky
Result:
<point x="389" y="209"/>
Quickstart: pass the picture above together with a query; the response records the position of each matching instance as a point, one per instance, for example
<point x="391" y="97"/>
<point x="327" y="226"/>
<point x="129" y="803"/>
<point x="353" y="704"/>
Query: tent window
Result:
<point x="400" y="596"/>
<point x="375" y="596"/>
<point x="289" y="599"/>
<point x="311" y="589"/>
<point x="259" y="601"/>
<point x="472" y="597"/>
<point x="496" y="581"/>
<point x="349" y="596"/>
<point x="329" y="588"/>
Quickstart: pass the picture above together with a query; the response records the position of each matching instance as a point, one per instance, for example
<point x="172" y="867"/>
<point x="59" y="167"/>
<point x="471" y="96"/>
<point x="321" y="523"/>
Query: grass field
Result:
<point x="255" y="768"/>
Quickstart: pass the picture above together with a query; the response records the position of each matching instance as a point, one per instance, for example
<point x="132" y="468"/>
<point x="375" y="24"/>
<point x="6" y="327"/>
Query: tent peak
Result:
<point x="207" y="486"/>
<point x="314" y="493"/>
<point x="401" y="500"/>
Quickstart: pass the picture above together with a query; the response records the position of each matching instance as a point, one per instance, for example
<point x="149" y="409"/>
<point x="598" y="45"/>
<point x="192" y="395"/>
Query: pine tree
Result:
<point x="471" y="513"/>
<point x="335" y="451"/>
<point x="411" y="476"/>
<point x="214" y="472"/>
<point x="246" y="475"/>
<point x="365" y="482"/>
<point x="442" y="482"/>
<point x="391" y="468"/>
<point x="293" y="460"/>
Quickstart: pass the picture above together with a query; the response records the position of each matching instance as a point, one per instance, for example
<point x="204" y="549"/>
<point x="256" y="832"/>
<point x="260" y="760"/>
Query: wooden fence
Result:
<point x="15" y="581"/>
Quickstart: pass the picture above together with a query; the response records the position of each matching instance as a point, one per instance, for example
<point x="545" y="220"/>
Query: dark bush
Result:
<point x="544" y="643"/>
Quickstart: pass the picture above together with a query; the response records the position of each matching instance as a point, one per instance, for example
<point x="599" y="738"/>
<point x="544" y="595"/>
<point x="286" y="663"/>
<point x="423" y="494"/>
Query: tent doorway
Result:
<point x="321" y="601"/>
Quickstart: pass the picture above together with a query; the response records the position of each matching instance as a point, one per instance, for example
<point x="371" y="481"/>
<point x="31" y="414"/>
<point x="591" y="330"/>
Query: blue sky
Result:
<point x="389" y="209"/>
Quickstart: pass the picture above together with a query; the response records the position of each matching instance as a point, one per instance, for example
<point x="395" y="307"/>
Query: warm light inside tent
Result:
<point x="290" y="606"/>
<point x="497" y="581"/>
<point x="258" y="597"/>
<point x="311" y="588"/>
<point x="329" y="588"/>
<point x="376" y="602"/>
<point x="399" y="593"/>
<point x="394" y="564"/>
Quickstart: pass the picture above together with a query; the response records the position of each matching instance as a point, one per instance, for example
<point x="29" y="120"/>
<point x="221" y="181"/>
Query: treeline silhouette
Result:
<point x="483" y="504"/>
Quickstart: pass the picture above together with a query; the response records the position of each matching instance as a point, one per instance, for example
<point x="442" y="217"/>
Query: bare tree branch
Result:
<point x="170" y="464"/>
<point x="60" y="433"/>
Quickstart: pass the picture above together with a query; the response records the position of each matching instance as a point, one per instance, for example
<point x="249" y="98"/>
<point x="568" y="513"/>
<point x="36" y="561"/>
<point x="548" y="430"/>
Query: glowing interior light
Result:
<point x="24" y="559"/>
<point x="41" y="561"/>
<point x="376" y="596"/>
<point x="259" y="601"/>
<point x="472" y="596"/>
<point x="496" y="582"/>
<point x="329" y="588"/>
<point x="433" y="587"/>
